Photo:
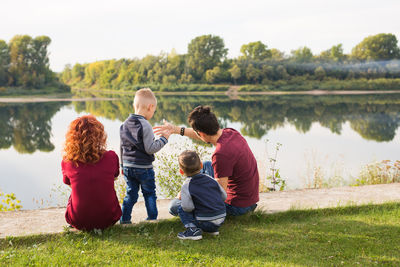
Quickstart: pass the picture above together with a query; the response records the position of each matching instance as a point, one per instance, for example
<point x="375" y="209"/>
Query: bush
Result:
<point x="167" y="169"/>
<point x="9" y="202"/>
<point x="383" y="172"/>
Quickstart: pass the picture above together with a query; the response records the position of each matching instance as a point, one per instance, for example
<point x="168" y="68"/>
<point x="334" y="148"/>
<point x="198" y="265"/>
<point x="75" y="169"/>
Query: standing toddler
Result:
<point x="138" y="146"/>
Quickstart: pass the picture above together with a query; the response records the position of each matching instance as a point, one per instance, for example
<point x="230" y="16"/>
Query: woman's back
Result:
<point x="93" y="202"/>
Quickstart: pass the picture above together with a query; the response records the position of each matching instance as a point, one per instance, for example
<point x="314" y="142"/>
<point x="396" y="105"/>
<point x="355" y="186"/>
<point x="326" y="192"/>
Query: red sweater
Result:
<point x="93" y="202"/>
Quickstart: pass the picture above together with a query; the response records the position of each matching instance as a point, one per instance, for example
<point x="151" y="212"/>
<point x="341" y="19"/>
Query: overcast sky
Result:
<point x="89" y="30"/>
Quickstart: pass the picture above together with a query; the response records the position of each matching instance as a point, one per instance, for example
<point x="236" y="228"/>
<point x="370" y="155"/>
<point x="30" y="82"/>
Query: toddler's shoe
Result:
<point x="191" y="233"/>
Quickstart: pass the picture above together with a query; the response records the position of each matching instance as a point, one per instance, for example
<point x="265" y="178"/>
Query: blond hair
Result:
<point x="143" y="98"/>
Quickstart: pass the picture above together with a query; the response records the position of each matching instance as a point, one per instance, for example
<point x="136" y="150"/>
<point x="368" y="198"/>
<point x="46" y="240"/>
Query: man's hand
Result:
<point x="166" y="127"/>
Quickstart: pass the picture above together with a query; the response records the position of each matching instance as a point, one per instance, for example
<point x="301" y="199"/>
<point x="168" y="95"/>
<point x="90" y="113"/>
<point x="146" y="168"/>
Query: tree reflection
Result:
<point x="27" y="127"/>
<point x="379" y="127"/>
<point x="374" y="117"/>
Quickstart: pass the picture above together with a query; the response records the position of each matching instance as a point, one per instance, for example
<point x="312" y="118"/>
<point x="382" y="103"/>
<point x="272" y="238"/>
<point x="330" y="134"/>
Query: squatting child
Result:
<point x="202" y="199"/>
<point x="138" y="146"/>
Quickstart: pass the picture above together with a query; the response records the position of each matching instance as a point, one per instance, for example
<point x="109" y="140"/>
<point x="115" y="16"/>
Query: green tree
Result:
<point x="19" y="61"/>
<point x="204" y="53"/>
<point x="175" y="64"/>
<point x="29" y="62"/>
<point x="253" y="74"/>
<point x="39" y="61"/>
<point x="319" y="73"/>
<point x="281" y="73"/>
<point x="4" y="62"/>
<point x="186" y="78"/>
<point x="235" y="72"/>
<point x="214" y="75"/>
<point x="169" y="79"/>
<point x="255" y="51"/>
<point x="335" y="53"/>
<point x="78" y="72"/>
<point x="66" y="74"/>
<point x="276" y="54"/>
<point x="382" y="46"/>
<point x="108" y="74"/>
<point x="303" y="54"/>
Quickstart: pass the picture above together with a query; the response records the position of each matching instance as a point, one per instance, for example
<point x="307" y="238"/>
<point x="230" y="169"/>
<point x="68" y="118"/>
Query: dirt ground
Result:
<point x="51" y="220"/>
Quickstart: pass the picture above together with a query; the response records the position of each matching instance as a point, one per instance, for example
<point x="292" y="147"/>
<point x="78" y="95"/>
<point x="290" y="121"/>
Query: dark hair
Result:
<point x="189" y="162"/>
<point x="203" y="120"/>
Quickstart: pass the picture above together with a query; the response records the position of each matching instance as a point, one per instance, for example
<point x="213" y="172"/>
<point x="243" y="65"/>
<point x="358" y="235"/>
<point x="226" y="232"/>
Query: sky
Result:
<point x="88" y="30"/>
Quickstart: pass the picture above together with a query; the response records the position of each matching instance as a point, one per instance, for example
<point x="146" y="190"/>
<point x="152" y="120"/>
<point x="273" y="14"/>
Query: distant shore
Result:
<point x="230" y="93"/>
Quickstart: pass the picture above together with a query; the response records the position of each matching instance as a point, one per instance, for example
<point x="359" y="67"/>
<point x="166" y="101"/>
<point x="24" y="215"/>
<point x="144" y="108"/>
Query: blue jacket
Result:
<point x="205" y="196"/>
<point x="137" y="142"/>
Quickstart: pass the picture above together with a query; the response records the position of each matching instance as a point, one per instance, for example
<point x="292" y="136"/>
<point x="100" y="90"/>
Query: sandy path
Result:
<point x="18" y="223"/>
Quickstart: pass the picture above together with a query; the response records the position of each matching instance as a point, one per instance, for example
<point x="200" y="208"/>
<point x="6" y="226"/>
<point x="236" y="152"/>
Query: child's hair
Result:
<point x="85" y="140"/>
<point x="143" y="97"/>
<point x="189" y="162"/>
<point x="203" y="120"/>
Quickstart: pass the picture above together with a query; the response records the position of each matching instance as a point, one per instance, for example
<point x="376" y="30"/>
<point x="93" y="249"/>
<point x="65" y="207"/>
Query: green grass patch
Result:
<point x="352" y="236"/>
<point x="56" y="91"/>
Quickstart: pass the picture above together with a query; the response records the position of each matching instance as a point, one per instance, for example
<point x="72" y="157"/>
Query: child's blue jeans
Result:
<point x="135" y="178"/>
<point x="188" y="219"/>
<point x="230" y="210"/>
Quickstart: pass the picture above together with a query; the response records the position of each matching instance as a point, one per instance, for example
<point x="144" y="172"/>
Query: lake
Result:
<point x="332" y="137"/>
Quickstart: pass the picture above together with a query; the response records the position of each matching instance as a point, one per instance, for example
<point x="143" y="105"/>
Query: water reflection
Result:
<point x="316" y="132"/>
<point x="373" y="117"/>
<point x="27" y="127"/>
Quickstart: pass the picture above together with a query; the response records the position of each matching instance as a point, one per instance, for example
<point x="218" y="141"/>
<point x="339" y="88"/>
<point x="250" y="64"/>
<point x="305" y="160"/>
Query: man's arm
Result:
<point x="174" y="129"/>
<point x="223" y="181"/>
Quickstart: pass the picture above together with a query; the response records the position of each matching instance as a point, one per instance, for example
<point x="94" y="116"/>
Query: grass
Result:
<point x="29" y="92"/>
<point x="356" y="236"/>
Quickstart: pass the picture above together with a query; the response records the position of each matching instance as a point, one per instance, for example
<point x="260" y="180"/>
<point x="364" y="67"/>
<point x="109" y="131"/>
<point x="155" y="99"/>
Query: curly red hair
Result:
<point x="85" y="140"/>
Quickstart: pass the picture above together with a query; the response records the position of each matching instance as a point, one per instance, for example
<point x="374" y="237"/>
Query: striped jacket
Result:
<point x="205" y="196"/>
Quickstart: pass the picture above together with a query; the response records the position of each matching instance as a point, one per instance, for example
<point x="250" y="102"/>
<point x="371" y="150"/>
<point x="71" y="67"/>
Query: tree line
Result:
<point x="24" y="62"/>
<point x="206" y="62"/>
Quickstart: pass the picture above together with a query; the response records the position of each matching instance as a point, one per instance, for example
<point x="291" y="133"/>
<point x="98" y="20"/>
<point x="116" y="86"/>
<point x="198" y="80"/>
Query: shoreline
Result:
<point x="229" y="93"/>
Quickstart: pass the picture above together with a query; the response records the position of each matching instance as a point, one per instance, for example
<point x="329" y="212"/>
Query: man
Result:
<point x="233" y="164"/>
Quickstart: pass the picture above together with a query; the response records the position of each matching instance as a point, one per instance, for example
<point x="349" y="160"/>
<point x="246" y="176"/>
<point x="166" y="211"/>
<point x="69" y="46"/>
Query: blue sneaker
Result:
<point x="191" y="233"/>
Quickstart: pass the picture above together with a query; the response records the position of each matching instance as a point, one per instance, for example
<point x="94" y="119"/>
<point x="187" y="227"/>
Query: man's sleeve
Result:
<point x="150" y="144"/>
<point x="222" y="165"/>
<point x="187" y="202"/>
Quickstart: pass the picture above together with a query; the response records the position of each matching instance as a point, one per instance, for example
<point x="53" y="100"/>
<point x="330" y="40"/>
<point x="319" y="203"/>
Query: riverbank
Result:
<point x="46" y="221"/>
<point x="232" y="93"/>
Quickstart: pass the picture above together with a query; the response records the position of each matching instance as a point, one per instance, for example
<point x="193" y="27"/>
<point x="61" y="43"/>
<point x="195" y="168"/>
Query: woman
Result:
<point x="90" y="170"/>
